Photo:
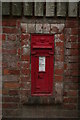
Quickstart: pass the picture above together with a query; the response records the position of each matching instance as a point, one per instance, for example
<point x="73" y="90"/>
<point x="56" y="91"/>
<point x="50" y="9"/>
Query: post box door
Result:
<point x="42" y="72"/>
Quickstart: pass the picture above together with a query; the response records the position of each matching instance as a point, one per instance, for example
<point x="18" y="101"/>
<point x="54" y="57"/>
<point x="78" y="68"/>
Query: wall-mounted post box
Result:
<point x="42" y="58"/>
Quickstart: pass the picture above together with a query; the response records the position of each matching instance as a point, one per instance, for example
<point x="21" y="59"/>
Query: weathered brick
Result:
<point x="46" y="28"/>
<point x="58" y="64"/>
<point x="3" y="37"/>
<point x="38" y="11"/>
<point x="70" y="106"/>
<point x="73" y="52"/>
<point x="25" y="50"/>
<point x="59" y="71"/>
<point x="57" y="28"/>
<point x="9" y="106"/>
<point x="58" y="92"/>
<point x="25" y="57"/>
<point x="31" y="28"/>
<point x="72" y="9"/>
<point x="11" y="99"/>
<point x="14" y="92"/>
<point x="25" y="79"/>
<point x="39" y="28"/>
<point x="59" y="50"/>
<point x="10" y="78"/>
<point x="74" y="31"/>
<point x="25" y="71"/>
<point x="25" y="65"/>
<point x="70" y="100"/>
<point x="72" y="66"/>
<point x="25" y="85"/>
<point x="11" y="85"/>
<point x="28" y="8"/>
<point x="71" y="79"/>
<point x="71" y="59"/>
<point x="71" y="23"/>
<point x="11" y="37"/>
<point x="10" y="30"/>
<point x="71" y="93"/>
<point x="73" y="72"/>
<point x="50" y="9"/>
<point x="58" y="78"/>
<point x="5" y="92"/>
<point x="9" y="23"/>
<point x="61" y="9"/>
<point x="16" y="8"/>
<point x="5" y="8"/>
<point x="23" y="27"/>
<point x="59" y="58"/>
<point x="60" y="44"/>
<point x="9" y="72"/>
<point x="71" y="45"/>
<point x="9" y="51"/>
<point x="72" y="86"/>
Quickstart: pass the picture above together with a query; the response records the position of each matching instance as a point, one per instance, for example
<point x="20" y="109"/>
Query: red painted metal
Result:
<point x="42" y="53"/>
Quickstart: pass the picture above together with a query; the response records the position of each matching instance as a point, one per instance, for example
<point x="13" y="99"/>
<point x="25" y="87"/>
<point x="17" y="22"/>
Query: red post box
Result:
<point x="42" y="57"/>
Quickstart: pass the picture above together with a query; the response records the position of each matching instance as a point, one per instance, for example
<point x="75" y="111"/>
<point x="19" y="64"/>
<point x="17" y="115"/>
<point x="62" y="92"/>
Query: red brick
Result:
<point x="26" y="85"/>
<point x="71" y="79"/>
<point x="58" y="78"/>
<point x="9" y="51"/>
<point x="71" y="45"/>
<point x="59" y="50"/>
<point x="70" y="106"/>
<point x="60" y="44"/>
<point x="72" y="59"/>
<point x="59" y="58"/>
<point x="18" y="23"/>
<point x="25" y="65"/>
<point x="59" y="71"/>
<point x="71" y="72"/>
<point x="10" y="99"/>
<point x="73" y="93"/>
<point x="71" y="86"/>
<point x="70" y="100"/>
<point x="25" y="79"/>
<point x="25" y="58"/>
<point x="13" y="92"/>
<point x="11" y="85"/>
<point x="3" y="37"/>
<point x="10" y="106"/>
<point x="10" y="30"/>
<point x="71" y="23"/>
<point x="73" y="38"/>
<point x="11" y="72"/>
<point x="25" y="36"/>
<point x="73" y="52"/>
<point x="5" y="92"/>
<point x="9" y="23"/>
<point x="11" y="37"/>
<point x="72" y="66"/>
<point x="74" y="31"/>
<point x="61" y="37"/>
<point x="23" y="27"/>
<point x="25" y="71"/>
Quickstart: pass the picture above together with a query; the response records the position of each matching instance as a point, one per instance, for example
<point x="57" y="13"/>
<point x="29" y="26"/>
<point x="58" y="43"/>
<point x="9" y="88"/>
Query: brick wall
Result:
<point x="16" y="64"/>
